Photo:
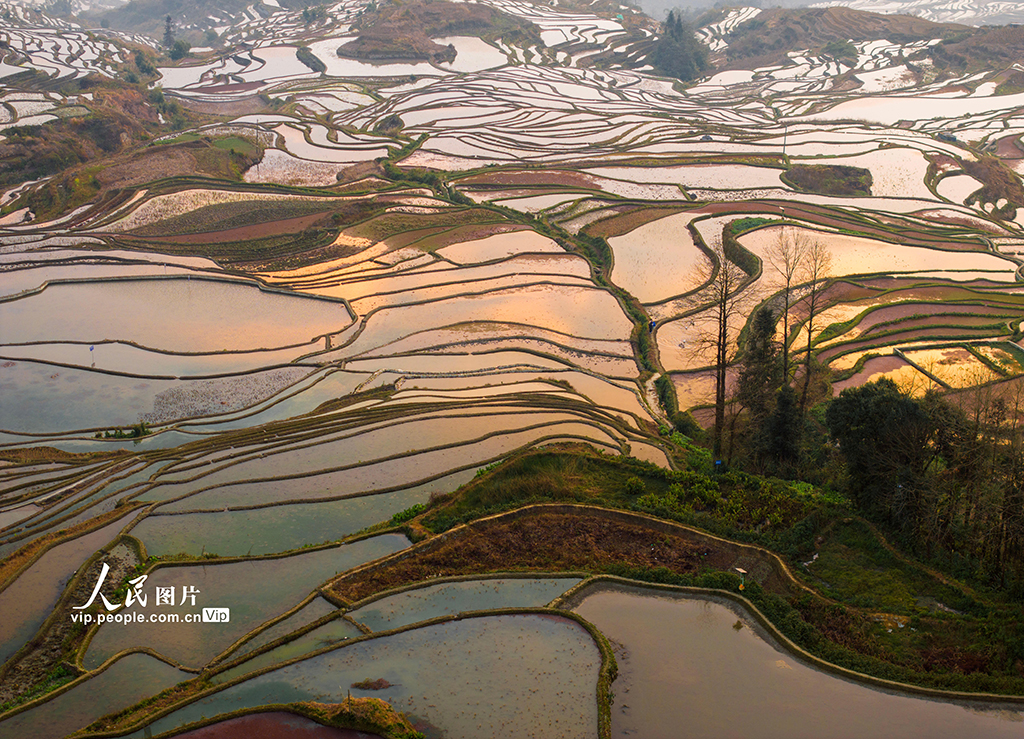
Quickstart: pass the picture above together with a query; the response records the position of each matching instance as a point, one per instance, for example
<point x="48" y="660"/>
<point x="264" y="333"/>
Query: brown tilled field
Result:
<point x="545" y="542"/>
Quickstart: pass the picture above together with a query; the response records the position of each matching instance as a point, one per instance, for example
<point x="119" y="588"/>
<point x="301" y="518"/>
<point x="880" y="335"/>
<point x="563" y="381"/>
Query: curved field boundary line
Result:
<point x="45" y="520"/>
<point x="787" y="644"/>
<point x="219" y="660"/>
<point x="86" y="676"/>
<point x="150" y="567"/>
<point x="629" y="517"/>
<point x="58" y="612"/>
<point x="511" y="575"/>
<point x="249" y="281"/>
<point x="615" y="424"/>
<point x="61" y="537"/>
<point x="606" y="674"/>
<point x="48" y="520"/>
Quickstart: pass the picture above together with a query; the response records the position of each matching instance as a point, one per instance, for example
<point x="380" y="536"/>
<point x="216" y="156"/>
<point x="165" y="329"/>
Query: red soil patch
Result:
<point x="903" y="311"/>
<point x="1009" y="148"/>
<point x="547" y="178"/>
<point x="943" y="161"/>
<point x="245" y="233"/>
<point x="250" y="104"/>
<point x="882" y="343"/>
<point x="466" y="233"/>
<point x="624" y="222"/>
<point x="945" y="218"/>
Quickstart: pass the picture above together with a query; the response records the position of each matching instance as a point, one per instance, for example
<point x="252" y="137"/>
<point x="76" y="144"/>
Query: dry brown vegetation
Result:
<point x="363" y="714"/>
<point x="39" y="454"/>
<point x="547" y="542"/>
<point x="976" y="49"/>
<point x="1000" y="183"/>
<point x="623" y="223"/>
<point x="185" y="159"/>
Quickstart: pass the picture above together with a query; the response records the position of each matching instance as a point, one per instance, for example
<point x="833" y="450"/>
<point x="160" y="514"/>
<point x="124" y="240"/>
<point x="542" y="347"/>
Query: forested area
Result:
<point x="941" y="471"/>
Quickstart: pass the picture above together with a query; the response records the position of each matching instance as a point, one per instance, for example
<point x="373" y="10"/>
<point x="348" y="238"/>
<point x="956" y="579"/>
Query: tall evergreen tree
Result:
<point x="761" y="371"/>
<point x="783" y="433"/>
<point x="168" y="32"/>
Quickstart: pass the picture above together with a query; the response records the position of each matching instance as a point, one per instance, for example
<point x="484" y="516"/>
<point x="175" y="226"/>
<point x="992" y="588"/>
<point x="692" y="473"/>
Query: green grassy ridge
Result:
<point x="840" y="375"/>
<point x="890" y="348"/>
<point x="969" y="295"/>
<point x="863" y="225"/>
<point x="904" y="335"/>
<point x="576" y="473"/>
<point x="1011" y="349"/>
<point x="738" y="254"/>
<point x="995" y="320"/>
<point x="855" y="567"/>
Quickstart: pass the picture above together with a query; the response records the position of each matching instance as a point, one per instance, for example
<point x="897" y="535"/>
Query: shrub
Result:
<point x="636" y="486"/>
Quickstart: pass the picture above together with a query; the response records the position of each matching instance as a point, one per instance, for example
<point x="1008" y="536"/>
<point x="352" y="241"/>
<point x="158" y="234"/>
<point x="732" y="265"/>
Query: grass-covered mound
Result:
<point x="362" y="714"/>
<point x="829" y="179"/>
<point x="575" y="473"/>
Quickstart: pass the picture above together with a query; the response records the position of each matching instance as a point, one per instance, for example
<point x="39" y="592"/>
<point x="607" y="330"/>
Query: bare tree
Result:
<point x="717" y="308"/>
<point x="815" y="271"/>
<point x="786" y="256"/>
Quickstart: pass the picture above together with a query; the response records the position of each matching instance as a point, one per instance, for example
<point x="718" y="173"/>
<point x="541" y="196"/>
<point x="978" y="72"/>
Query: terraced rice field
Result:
<point x="239" y="377"/>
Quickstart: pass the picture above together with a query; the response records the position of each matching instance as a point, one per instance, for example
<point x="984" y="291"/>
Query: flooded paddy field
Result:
<point x="314" y="610"/>
<point x="708" y="664"/>
<point x="330" y="298"/>
<point x="412" y="606"/>
<point x="132" y="677"/>
<point x="31" y="598"/>
<point x="116" y="313"/>
<point x="274" y="529"/>
<point x="497" y="675"/>
<point x="189" y="644"/>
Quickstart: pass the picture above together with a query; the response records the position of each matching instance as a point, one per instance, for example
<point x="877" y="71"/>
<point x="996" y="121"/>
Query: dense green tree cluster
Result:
<point x="948" y="475"/>
<point x="944" y="473"/>
<point x="315" y="14"/>
<point x="678" y="52"/>
<point x="180" y="49"/>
